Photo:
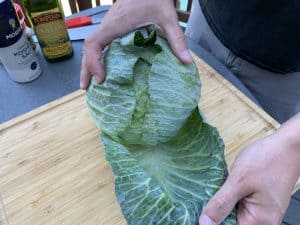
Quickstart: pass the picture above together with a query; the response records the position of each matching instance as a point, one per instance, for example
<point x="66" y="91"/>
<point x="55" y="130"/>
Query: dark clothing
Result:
<point x="263" y="32"/>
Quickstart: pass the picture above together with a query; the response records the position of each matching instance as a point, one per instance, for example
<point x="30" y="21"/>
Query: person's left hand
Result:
<point x="261" y="179"/>
<point x="125" y="16"/>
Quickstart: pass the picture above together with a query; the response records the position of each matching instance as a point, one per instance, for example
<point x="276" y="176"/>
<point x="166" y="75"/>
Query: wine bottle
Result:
<point x="47" y="19"/>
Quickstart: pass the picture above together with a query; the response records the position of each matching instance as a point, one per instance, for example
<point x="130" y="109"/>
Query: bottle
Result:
<point x="26" y="30"/>
<point x="16" y="53"/>
<point x="49" y="25"/>
<point x="28" y="34"/>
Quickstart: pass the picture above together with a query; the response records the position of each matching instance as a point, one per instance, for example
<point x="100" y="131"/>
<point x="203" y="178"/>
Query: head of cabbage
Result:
<point x="166" y="160"/>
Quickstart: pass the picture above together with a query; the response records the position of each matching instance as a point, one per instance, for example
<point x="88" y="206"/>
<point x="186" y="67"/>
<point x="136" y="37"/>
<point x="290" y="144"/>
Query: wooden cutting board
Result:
<point x="52" y="168"/>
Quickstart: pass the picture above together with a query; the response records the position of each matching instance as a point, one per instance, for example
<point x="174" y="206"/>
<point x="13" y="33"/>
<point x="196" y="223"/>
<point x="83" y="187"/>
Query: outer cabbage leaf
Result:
<point x="167" y="161"/>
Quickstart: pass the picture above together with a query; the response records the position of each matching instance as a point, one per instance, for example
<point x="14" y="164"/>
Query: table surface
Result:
<point x="59" y="79"/>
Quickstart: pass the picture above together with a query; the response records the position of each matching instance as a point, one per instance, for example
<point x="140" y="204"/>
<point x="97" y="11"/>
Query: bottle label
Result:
<point x="10" y="29"/>
<point x="20" y="61"/>
<point x="52" y="33"/>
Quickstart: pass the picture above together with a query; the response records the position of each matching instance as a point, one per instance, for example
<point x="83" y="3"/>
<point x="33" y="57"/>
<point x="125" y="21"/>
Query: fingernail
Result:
<point x="205" y="220"/>
<point x="82" y="86"/>
<point x="186" y="56"/>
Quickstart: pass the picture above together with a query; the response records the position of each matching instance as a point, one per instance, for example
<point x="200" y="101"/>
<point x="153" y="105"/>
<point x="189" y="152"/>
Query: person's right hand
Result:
<point x="125" y="16"/>
<point x="261" y="180"/>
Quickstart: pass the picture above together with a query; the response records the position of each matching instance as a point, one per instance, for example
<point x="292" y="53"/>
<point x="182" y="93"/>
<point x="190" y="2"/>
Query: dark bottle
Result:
<point x="49" y="25"/>
<point x="16" y="52"/>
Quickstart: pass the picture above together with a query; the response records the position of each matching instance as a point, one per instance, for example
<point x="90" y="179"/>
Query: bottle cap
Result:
<point x="20" y="15"/>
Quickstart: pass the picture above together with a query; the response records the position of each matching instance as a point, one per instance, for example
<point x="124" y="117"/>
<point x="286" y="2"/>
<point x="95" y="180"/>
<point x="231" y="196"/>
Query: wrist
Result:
<point x="285" y="157"/>
<point x="287" y="141"/>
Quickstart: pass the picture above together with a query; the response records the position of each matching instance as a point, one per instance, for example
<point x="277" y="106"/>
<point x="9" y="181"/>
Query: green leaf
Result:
<point x="167" y="161"/>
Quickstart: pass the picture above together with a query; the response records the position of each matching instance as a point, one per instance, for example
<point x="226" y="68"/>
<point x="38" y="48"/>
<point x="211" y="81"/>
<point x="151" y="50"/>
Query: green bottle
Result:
<point x="47" y="19"/>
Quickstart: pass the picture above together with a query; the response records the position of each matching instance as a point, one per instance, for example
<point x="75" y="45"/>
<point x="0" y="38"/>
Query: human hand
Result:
<point x="261" y="179"/>
<point x="127" y="15"/>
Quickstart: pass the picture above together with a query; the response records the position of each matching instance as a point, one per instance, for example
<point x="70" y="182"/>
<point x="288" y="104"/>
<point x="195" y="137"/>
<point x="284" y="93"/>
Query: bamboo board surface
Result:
<point x="52" y="168"/>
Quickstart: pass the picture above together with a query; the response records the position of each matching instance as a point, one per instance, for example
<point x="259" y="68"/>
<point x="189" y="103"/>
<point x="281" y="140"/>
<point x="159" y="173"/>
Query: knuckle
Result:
<point x="239" y="178"/>
<point x="121" y="9"/>
<point x="221" y="205"/>
<point x="89" y="40"/>
<point x="168" y="18"/>
<point x="177" y="40"/>
<point x="171" y="19"/>
<point x="119" y="13"/>
<point x="92" y="42"/>
<point x="242" y="180"/>
<point x="179" y="36"/>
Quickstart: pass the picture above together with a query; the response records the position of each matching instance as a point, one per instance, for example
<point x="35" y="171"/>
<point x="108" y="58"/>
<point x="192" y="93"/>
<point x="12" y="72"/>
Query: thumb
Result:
<point x="222" y="203"/>
<point x="178" y="43"/>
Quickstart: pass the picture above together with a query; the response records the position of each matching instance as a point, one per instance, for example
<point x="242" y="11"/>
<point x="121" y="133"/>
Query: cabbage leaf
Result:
<point x="166" y="159"/>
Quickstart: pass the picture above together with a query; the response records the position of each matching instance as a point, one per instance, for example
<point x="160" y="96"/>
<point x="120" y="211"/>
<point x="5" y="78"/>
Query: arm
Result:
<point x="261" y="179"/>
<point x="125" y="16"/>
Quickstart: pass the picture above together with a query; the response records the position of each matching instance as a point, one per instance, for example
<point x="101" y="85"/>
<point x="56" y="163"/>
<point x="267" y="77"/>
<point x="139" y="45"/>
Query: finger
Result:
<point x="222" y="203"/>
<point x="85" y="76"/>
<point x="93" y="62"/>
<point x="177" y="41"/>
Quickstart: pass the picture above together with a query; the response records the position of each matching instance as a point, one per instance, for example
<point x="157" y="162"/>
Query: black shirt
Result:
<point x="263" y="32"/>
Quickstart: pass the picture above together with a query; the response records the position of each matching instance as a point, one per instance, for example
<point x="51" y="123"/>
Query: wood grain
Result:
<point x="52" y="168"/>
<point x="3" y="217"/>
